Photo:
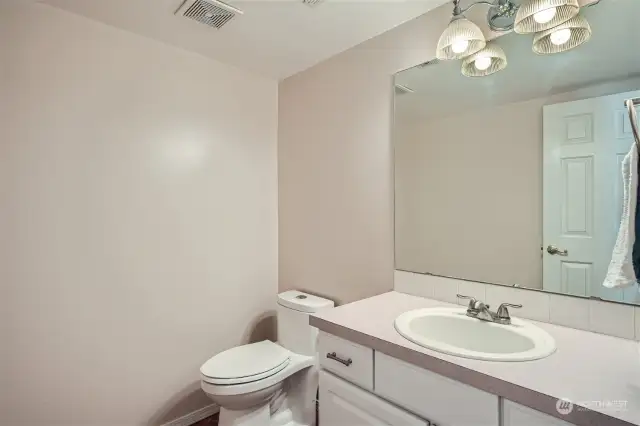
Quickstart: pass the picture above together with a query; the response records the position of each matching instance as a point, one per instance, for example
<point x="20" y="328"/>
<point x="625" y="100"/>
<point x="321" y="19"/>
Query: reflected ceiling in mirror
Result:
<point x="493" y="171"/>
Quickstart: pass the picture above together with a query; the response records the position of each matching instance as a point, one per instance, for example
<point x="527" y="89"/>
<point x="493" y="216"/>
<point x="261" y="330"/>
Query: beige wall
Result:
<point x="334" y="161"/>
<point x="469" y="187"/>
<point x="138" y="220"/>
<point x="469" y="194"/>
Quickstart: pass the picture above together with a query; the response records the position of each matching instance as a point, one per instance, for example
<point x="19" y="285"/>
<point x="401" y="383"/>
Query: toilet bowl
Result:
<point x="256" y="378"/>
<point x="267" y="383"/>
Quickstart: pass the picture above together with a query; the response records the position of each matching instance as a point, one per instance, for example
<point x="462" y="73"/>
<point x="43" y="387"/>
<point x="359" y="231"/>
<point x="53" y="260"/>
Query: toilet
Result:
<point x="267" y="383"/>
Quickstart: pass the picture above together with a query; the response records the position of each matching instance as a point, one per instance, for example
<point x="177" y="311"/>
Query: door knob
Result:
<point x="555" y="250"/>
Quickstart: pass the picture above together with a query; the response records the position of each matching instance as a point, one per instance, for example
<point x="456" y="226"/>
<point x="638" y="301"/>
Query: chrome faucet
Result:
<point x="481" y="311"/>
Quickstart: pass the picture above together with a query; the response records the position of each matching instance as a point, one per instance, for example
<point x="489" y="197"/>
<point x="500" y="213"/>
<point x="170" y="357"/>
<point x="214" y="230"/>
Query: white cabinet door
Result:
<point x="343" y="404"/>
<point x="358" y="368"/>
<point x="517" y="415"/>
<point x="438" y="398"/>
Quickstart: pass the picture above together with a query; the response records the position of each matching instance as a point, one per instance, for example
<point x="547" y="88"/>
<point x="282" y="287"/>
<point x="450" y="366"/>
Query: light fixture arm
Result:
<point x="458" y="11"/>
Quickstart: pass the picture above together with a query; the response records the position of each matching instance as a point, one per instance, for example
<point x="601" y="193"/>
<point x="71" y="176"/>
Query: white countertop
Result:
<point x="589" y="369"/>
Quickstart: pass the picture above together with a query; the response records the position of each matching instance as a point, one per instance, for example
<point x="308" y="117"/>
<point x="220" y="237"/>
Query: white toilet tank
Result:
<point x="294" y="331"/>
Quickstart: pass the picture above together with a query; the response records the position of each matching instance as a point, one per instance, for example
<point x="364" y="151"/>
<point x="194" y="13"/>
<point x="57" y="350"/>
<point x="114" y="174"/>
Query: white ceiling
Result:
<point x="610" y="55"/>
<point x="275" y="38"/>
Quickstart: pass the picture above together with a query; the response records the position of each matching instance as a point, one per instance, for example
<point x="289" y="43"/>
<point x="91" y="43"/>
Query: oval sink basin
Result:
<point x="451" y="331"/>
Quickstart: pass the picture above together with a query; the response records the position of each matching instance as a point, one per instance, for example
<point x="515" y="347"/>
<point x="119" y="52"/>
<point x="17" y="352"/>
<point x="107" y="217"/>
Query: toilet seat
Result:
<point x="246" y="364"/>
<point x="296" y="363"/>
<point x="245" y="379"/>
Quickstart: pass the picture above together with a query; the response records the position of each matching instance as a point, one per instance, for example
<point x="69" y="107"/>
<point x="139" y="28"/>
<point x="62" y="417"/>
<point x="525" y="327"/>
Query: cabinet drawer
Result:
<point x="346" y="359"/>
<point x="343" y="404"/>
<point x="435" y="397"/>
<point x="518" y="415"/>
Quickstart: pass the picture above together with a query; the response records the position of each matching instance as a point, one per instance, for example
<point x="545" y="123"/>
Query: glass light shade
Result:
<point x="476" y="64"/>
<point x="483" y="62"/>
<point x="553" y="40"/>
<point x="535" y="15"/>
<point x="461" y="38"/>
<point x="545" y="16"/>
<point x="559" y="37"/>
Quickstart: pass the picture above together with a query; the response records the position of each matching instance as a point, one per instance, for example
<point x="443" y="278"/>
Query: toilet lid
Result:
<point x="247" y="362"/>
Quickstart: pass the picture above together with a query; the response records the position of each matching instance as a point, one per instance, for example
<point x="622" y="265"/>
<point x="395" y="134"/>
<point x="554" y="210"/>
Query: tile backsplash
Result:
<point x="569" y="311"/>
<point x="610" y="318"/>
<point x="592" y="315"/>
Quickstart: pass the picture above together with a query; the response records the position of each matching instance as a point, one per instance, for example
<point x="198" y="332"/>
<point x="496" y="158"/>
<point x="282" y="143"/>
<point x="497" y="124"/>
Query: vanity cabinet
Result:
<point x="344" y="404"/>
<point x="347" y="359"/>
<point x="433" y="396"/>
<point x="363" y="387"/>
<point x="519" y="415"/>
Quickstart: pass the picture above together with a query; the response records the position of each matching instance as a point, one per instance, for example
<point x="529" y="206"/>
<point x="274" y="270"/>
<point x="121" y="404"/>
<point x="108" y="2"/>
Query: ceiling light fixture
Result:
<point x="501" y="14"/>
<point x="487" y="61"/>
<point x="557" y="25"/>
<point x="545" y="16"/>
<point x="566" y="36"/>
<point x="482" y="63"/>
<point x="461" y="38"/>
<point x="540" y="15"/>
<point x="560" y="37"/>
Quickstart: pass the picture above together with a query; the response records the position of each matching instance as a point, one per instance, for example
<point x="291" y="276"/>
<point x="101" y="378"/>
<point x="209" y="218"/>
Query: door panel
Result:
<point x="584" y="144"/>
<point x="578" y="129"/>
<point x="577" y="197"/>
<point x="576" y="278"/>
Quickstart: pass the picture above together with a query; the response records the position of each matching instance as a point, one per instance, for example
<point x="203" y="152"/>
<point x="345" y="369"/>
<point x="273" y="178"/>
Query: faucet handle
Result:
<point x="473" y="302"/>
<point x="503" y="312"/>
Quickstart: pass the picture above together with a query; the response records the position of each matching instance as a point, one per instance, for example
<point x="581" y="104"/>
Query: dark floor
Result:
<point x="209" y="421"/>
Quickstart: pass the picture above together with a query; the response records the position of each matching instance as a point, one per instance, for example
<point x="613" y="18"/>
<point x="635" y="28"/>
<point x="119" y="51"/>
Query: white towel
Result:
<point x="621" y="273"/>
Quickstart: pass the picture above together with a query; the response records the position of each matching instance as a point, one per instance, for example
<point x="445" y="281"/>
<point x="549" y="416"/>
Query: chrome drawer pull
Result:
<point x="335" y="357"/>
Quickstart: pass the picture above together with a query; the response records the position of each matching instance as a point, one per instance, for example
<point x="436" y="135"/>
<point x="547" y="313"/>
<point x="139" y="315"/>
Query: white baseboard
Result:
<point x="195" y="416"/>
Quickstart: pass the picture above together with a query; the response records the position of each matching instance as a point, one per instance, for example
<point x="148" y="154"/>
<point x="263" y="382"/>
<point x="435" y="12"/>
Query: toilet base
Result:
<point x="258" y="416"/>
<point x="288" y="402"/>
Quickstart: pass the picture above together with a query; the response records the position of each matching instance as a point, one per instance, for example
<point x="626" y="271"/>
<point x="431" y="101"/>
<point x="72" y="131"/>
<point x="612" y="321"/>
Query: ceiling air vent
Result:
<point x="209" y="12"/>
<point x="431" y="62"/>
<point x="403" y="90"/>
<point x="312" y="2"/>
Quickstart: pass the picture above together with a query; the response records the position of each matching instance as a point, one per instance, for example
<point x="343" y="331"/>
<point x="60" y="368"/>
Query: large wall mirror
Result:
<point x="514" y="178"/>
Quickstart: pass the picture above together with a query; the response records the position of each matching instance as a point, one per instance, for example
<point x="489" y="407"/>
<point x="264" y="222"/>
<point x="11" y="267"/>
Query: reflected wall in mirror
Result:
<point x="515" y="178"/>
